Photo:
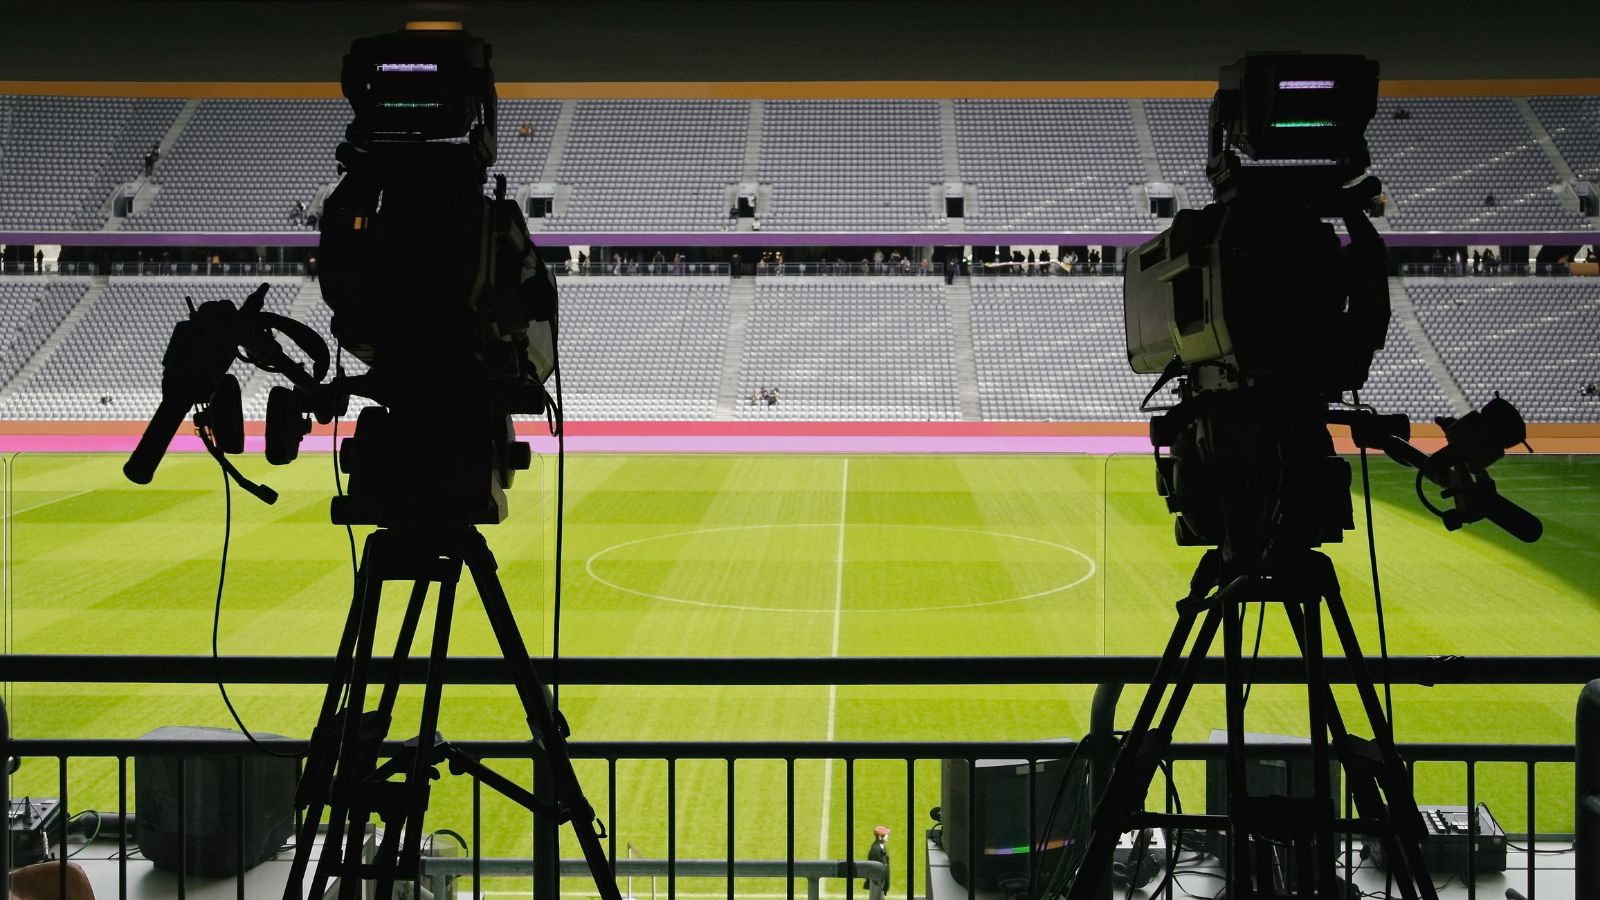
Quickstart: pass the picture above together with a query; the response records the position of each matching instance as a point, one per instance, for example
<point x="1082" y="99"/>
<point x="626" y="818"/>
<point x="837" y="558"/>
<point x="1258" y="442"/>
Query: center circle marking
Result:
<point x="589" y="567"/>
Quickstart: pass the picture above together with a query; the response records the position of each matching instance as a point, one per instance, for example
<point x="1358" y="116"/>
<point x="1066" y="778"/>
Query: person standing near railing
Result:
<point x="878" y="852"/>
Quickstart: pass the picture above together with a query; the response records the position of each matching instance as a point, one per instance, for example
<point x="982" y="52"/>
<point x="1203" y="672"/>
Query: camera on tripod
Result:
<point x="434" y="285"/>
<point x="1265" y="316"/>
<point x="438" y="289"/>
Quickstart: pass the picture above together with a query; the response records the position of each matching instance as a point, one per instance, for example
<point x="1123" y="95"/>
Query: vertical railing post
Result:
<point x="546" y="839"/>
<point x="5" y="793"/>
<point x="1533" y="831"/>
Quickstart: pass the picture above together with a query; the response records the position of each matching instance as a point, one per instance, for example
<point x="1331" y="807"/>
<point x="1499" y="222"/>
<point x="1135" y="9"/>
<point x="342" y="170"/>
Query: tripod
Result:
<point x="342" y="775"/>
<point x="1264" y="491"/>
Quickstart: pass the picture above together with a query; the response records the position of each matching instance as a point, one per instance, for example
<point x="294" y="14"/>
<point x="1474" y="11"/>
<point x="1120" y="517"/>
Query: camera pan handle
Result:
<point x="158" y="433"/>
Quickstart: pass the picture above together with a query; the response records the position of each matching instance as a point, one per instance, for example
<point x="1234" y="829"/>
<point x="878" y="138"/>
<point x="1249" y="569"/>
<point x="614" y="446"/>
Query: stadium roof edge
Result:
<point x="792" y="90"/>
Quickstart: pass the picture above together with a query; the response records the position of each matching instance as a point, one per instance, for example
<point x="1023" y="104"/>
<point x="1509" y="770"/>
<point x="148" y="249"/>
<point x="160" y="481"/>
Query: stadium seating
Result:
<point x="851" y="165"/>
<point x="240" y="165"/>
<point x="651" y="164"/>
<point x="1531" y="339"/>
<point x="850" y="348"/>
<point x="521" y="158"/>
<point x="1181" y="133"/>
<point x="109" y="367"/>
<point x="1053" y="349"/>
<point x="1401" y="381"/>
<point x="60" y="157"/>
<point x="1574" y="125"/>
<point x="642" y="347"/>
<point x="846" y="347"/>
<point x="30" y="311"/>
<point x="1442" y="161"/>
<point x="1040" y="164"/>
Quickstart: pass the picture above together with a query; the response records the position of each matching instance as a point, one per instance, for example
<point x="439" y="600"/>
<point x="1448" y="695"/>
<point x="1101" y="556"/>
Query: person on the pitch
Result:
<point x="878" y="852"/>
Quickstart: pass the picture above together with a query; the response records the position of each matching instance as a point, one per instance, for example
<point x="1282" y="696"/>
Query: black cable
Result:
<point x="1036" y="852"/>
<point x="99" y="822"/>
<point x="1521" y="849"/>
<point x="216" y="613"/>
<point x="559" y="418"/>
<point x="1428" y="504"/>
<point x="451" y="833"/>
<point x="1255" y="654"/>
<point x="1377" y="589"/>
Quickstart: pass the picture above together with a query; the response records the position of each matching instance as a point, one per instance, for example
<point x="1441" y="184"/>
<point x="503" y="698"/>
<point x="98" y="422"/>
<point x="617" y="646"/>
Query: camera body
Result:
<point x="1258" y="286"/>
<point x="1262" y="311"/>
<point x="433" y="284"/>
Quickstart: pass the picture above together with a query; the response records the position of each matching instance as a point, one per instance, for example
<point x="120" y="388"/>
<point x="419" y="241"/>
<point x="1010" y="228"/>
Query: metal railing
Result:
<point x="1109" y="672"/>
<point x="1053" y="268"/>
<point x="50" y="267"/>
<point x="661" y="269"/>
<point x="224" y="269"/>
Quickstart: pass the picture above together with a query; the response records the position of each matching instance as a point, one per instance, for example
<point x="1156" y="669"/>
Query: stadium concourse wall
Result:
<point x="763" y="437"/>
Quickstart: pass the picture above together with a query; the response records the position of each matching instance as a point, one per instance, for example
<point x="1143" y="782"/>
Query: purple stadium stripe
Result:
<point x="759" y="238"/>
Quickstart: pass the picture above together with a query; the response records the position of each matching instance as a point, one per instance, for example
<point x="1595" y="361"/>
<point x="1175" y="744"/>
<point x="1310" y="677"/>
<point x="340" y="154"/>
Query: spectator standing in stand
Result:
<point x="38" y="261"/>
<point x="777" y="262"/>
<point x="150" y="160"/>
<point x="877" y="261"/>
<point x="658" y="264"/>
<point x="1477" y="262"/>
<point x="1031" y="263"/>
<point x="1044" y="262"/>
<point x="1094" y="262"/>
<point x="733" y="265"/>
<point x="583" y="263"/>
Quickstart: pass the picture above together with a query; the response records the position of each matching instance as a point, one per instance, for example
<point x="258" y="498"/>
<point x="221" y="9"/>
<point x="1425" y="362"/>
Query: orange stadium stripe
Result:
<point x="791" y="90"/>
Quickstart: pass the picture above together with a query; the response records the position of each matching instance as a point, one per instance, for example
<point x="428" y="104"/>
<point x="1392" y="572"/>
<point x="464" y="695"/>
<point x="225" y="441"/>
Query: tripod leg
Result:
<point x="419" y="779"/>
<point x="547" y="732"/>
<point x="402" y="646"/>
<point x="1405" y="819"/>
<point x="1319" y="703"/>
<point x="1367" y="771"/>
<point x="1141" y="751"/>
<point x="354" y="759"/>
<point x="1236" y="868"/>
<point x="311" y="794"/>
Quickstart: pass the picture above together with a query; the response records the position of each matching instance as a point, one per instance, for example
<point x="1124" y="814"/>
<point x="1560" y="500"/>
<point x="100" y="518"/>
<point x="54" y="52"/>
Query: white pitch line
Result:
<point x="833" y="689"/>
<point x="61" y="499"/>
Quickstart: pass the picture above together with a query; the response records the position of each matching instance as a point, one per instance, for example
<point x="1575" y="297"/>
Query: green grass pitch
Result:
<point x="707" y="555"/>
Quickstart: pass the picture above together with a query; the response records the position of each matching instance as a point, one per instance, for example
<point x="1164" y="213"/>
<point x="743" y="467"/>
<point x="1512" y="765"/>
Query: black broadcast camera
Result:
<point x="435" y="286"/>
<point x="1265" y="316"/>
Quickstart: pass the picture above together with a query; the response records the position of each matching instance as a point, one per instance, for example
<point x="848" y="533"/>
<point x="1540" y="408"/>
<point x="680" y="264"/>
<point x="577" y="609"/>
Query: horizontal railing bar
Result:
<point x="685" y="868"/>
<point x="1420" y="752"/>
<point x="1424" y="670"/>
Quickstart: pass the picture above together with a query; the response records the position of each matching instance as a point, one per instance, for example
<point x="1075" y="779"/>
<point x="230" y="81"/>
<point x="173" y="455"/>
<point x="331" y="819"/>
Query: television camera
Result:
<point x="437" y="288"/>
<point x="1262" y="316"/>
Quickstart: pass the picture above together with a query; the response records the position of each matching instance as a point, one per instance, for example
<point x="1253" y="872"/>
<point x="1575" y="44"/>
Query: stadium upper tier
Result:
<point x="808" y="348"/>
<point x="242" y="165"/>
